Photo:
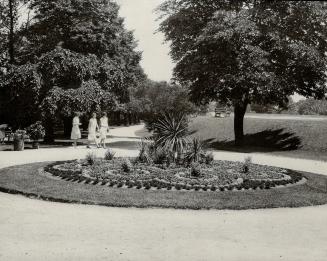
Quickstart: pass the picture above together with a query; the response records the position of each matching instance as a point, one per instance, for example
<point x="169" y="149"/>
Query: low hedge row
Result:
<point x="247" y="184"/>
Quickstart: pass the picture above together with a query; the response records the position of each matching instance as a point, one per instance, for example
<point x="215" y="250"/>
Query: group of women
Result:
<point x="93" y="130"/>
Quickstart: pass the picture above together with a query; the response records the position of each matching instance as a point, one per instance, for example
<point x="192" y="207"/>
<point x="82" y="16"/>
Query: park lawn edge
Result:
<point x="28" y="181"/>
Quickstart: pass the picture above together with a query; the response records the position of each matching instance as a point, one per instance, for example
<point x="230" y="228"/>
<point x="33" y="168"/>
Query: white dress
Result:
<point x="93" y="124"/>
<point x="76" y="132"/>
<point x="104" y="127"/>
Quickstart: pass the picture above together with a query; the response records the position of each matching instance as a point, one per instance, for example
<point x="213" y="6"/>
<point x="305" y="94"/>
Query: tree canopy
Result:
<point x="82" y="55"/>
<point x="247" y="51"/>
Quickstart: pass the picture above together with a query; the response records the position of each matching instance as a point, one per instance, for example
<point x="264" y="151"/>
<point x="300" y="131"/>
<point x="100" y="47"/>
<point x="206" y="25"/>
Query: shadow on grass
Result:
<point x="264" y="141"/>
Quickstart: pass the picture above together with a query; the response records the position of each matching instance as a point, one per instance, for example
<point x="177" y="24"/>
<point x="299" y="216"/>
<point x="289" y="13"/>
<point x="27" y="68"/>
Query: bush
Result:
<point x="195" y="169"/>
<point x="195" y="151"/>
<point x="127" y="165"/>
<point x="90" y="158"/>
<point x="160" y="156"/>
<point x="36" y="131"/>
<point x="246" y="165"/>
<point x="146" y="147"/>
<point x="109" y="155"/>
<point x="170" y="132"/>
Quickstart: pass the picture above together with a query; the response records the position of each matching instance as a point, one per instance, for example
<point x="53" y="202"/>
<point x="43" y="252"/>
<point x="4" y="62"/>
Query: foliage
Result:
<point x="153" y="99"/>
<point x="36" y="131"/>
<point x="247" y="52"/>
<point x="195" y="169"/>
<point x="246" y="164"/>
<point x="170" y="132"/>
<point x="127" y="165"/>
<point x="22" y="86"/>
<point x="160" y="155"/>
<point x="195" y="151"/>
<point x="309" y="107"/>
<point x="221" y="175"/>
<point x="76" y="55"/>
<point x="91" y="158"/>
<point x="146" y="148"/>
<point x="20" y="135"/>
<point x="109" y="155"/>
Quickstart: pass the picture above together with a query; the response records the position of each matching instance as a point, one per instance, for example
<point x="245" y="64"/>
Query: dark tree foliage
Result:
<point x="247" y="51"/>
<point x="84" y="58"/>
<point x="154" y="99"/>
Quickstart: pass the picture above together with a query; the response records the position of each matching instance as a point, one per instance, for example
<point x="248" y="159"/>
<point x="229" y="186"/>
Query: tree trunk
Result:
<point x="239" y="112"/>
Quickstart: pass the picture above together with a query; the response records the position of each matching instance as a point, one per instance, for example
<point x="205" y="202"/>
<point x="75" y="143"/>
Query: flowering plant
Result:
<point x="36" y="131"/>
<point x="20" y="135"/>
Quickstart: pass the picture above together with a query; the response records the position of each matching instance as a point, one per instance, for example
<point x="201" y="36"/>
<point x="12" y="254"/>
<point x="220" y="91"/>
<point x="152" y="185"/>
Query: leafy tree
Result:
<point x="247" y="51"/>
<point x="83" y="55"/>
<point x="22" y="86"/>
<point x="154" y="99"/>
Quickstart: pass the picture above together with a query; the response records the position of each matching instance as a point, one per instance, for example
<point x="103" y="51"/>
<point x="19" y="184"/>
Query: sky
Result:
<point x="140" y="17"/>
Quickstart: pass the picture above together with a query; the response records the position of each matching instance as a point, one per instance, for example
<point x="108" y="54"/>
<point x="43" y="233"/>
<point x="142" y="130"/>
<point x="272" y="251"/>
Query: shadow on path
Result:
<point x="264" y="141"/>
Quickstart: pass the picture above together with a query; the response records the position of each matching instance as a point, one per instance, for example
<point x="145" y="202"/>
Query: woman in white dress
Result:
<point x="93" y="127"/>
<point x="76" y="132"/>
<point x="104" y="129"/>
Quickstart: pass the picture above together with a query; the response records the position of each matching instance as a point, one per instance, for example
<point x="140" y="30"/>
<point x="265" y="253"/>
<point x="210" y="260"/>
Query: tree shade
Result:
<point x="247" y="51"/>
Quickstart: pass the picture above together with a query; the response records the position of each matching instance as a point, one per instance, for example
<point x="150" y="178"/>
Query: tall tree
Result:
<point x="247" y="51"/>
<point x="82" y="53"/>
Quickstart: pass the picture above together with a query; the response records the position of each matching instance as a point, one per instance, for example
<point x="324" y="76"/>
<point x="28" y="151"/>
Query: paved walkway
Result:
<point x="38" y="230"/>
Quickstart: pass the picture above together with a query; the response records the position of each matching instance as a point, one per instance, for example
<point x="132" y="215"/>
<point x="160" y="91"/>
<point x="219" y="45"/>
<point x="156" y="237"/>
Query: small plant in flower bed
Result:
<point x="218" y="176"/>
<point x="90" y="158"/>
<point x="109" y="155"/>
<point x="127" y="165"/>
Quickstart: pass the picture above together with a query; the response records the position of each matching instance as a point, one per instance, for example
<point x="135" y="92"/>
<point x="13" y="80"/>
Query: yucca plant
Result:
<point x="195" y="151"/>
<point x="170" y="132"/>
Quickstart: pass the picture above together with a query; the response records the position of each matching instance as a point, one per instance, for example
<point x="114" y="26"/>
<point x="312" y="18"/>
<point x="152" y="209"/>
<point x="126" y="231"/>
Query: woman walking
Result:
<point x="93" y="127"/>
<point x="76" y="132"/>
<point x="104" y="129"/>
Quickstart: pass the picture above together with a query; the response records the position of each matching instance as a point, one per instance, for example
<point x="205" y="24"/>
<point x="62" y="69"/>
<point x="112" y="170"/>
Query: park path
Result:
<point x="39" y="230"/>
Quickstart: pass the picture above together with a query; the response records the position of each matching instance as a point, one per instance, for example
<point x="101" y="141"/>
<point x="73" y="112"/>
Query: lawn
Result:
<point x="28" y="181"/>
<point x="296" y="138"/>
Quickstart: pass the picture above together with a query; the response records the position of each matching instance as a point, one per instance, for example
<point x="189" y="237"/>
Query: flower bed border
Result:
<point x="155" y="183"/>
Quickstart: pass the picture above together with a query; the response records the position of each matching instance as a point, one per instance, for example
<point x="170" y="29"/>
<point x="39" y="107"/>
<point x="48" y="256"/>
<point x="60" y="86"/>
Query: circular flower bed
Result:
<point x="220" y="175"/>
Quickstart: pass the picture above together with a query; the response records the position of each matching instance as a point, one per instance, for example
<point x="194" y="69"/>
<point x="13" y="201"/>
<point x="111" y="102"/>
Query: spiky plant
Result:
<point x="145" y="150"/>
<point x="170" y="132"/>
<point x="195" y="151"/>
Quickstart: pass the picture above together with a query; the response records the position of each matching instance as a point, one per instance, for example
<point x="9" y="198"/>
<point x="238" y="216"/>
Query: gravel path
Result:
<point x="38" y="230"/>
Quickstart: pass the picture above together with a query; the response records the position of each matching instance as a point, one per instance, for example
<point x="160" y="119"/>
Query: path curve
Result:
<point x="39" y="230"/>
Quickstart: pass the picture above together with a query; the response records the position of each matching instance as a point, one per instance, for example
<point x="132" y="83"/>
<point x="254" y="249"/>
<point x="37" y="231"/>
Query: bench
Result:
<point x="222" y="112"/>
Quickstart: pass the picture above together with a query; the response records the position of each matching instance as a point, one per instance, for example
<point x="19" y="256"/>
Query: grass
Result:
<point x="27" y="180"/>
<point x="295" y="138"/>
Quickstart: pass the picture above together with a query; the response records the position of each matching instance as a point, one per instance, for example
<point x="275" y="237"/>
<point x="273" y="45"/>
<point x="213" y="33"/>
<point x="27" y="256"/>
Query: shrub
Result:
<point x="36" y="131"/>
<point x="109" y="155"/>
<point x="90" y="158"/>
<point x="170" y="132"/>
<point x="195" y="151"/>
<point x="246" y="165"/>
<point x="146" y="147"/>
<point x="126" y="165"/>
<point x="161" y="155"/>
<point x="195" y="169"/>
